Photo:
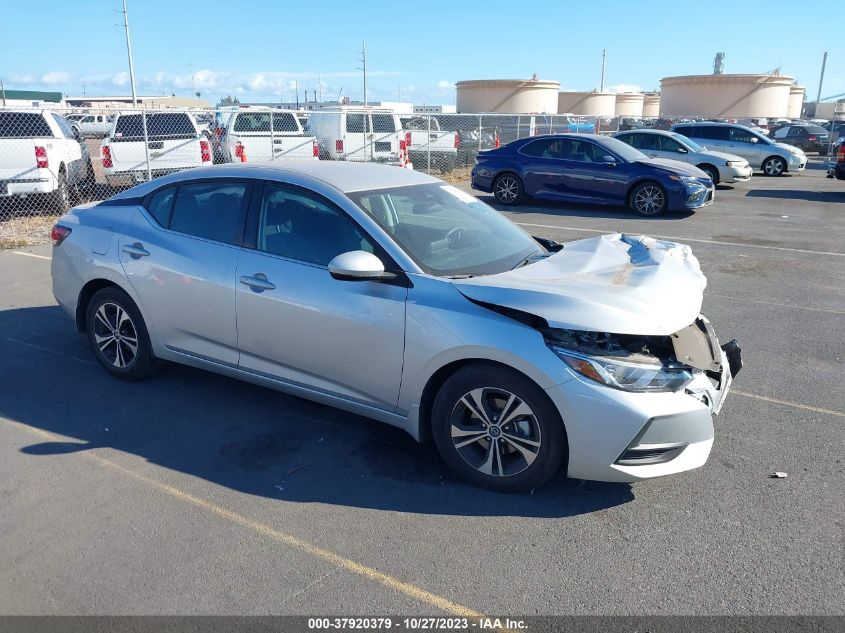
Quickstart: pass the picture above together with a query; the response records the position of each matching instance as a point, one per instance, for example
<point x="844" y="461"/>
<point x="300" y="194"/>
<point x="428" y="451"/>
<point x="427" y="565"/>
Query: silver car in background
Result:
<point x="388" y="293"/>
<point x="721" y="167"/>
<point x="773" y="159"/>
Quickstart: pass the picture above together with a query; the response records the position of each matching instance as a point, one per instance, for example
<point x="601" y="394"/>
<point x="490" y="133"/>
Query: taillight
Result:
<point x="58" y="234"/>
<point x="812" y="137"/>
<point x="338" y="145"/>
<point x="457" y="139"/>
<point x="106" y="152"/>
<point x="840" y="153"/>
<point x="403" y="145"/>
<point x="239" y="150"/>
<point x="315" y="149"/>
<point x="41" y="161"/>
<point x="205" y="151"/>
<point x="407" y="139"/>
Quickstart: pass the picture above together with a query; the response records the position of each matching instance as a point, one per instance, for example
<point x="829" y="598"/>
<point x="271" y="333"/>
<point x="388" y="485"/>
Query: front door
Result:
<point x="588" y="176"/>
<point x="180" y="253"/>
<point x="299" y="324"/>
<point x="745" y="144"/>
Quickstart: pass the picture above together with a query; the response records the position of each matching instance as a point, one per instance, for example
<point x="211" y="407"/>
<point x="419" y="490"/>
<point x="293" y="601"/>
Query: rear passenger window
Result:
<point x="355" y="123"/>
<point x="161" y="204"/>
<point x="738" y="135"/>
<point x="212" y="210"/>
<point x="383" y="123"/>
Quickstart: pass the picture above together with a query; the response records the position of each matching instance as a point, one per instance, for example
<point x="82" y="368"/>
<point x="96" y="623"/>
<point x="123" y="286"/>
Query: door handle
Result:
<point x="136" y="250"/>
<point x="258" y="282"/>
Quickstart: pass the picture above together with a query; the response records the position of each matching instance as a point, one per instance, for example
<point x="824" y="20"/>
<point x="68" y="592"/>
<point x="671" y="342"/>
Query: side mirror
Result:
<point x="356" y="266"/>
<point x="682" y="150"/>
<point x="610" y="161"/>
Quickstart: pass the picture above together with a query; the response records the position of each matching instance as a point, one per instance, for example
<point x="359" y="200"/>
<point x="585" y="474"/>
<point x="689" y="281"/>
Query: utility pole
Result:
<point x="193" y="85"/>
<point x="603" y="60"/>
<point x="296" y="85"/>
<point x="129" y="54"/>
<point x="821" y="80"/>
<point x="3" y="92"/>
<point x="364" y="68"/>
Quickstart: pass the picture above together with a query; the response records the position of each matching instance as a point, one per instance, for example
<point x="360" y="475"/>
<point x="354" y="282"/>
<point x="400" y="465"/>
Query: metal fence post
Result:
<point x="479" y="132"/>
<point x="428" y="142"/>
<point x="272" y="139"/>
<point x="146" y="143"/>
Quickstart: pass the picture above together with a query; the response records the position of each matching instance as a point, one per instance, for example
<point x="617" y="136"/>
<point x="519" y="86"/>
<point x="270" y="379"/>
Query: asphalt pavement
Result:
<point x="191" y="493"/>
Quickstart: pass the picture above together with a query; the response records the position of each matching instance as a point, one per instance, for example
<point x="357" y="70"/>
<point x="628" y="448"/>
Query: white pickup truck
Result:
<point x="41" y="154"/>
<point x="172" y="142"/>
<point x="429" y="147"/>
<point x="254" y="135"/>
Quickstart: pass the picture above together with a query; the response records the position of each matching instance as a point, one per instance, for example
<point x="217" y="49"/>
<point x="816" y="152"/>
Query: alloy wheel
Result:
<point x="649" y="200"/>
<point x="115" y="335"/>
<point x="495" y="432"/>
<point x="507" y="189"/>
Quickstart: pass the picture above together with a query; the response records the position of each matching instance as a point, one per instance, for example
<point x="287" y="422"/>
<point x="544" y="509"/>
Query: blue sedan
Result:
<point x="590" y="168"/>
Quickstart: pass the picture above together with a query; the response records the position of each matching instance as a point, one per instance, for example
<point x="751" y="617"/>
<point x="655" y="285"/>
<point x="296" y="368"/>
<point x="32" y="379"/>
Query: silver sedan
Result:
<point x="393" y="295"/>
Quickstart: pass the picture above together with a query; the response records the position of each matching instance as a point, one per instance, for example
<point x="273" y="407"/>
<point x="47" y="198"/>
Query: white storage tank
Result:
<point x="725" y="96"/>
<point x="629" y="104"/>
<point x="593" y="103"/>
<point x="651" y="105"/>
<point x="514" y="96"/>
<point x="796" y="102"/>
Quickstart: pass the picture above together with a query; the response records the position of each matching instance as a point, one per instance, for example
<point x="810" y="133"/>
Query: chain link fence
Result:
<point x="51" y="159"/>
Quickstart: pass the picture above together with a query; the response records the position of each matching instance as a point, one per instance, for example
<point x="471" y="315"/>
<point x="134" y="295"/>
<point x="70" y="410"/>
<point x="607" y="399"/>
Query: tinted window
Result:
<point x="355" y="122"/>
<point x="160" y="205"/>
<point x="23" y="125"/>
<point x="544" y="148"/>
<point x="209" y="209"/>
<point x="177" y="124"/>
<point x="634" y="140"/>
<point x="667" y="144"/>
<point x="260" y="122"/>
<point x="300" y="226"/>
<point x="584" y="151"/>
<point x="740" y="135"/>
<point x="383" y="123"/>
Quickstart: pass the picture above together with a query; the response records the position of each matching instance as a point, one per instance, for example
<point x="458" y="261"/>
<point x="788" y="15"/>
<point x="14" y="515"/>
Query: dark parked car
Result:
<point x="837" y="169"/>
<point x="810" y="138"/>
<point x="590" y="168"/>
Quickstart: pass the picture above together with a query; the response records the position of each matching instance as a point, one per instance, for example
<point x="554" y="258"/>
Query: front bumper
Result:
<point x="698" y="196"/>
<point x="735" y="174"/>
<point x="797" y="163"/>
<point x="622" y="436"/>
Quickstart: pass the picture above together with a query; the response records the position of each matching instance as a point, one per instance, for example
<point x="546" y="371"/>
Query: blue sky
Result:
<point x="258" y="50"/>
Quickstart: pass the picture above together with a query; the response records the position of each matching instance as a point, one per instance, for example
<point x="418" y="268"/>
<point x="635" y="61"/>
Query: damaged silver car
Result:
<point x="390" y="294"/>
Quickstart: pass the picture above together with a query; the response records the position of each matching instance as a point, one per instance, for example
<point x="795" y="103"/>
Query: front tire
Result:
<point x="118" y="335"/>
<point x="648" y="199"/>
<point x="497" y="429"/>
<point x="508" y="189"/>
<point x="60" y="198"/>
<point x="774" y="166"/>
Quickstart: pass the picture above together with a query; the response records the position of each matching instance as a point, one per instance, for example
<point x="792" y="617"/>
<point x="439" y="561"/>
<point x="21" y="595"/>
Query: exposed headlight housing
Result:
<point x="624" y="375"/>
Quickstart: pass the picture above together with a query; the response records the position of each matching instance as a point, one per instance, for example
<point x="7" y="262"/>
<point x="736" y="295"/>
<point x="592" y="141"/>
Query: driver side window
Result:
<point x="300" y="226"/>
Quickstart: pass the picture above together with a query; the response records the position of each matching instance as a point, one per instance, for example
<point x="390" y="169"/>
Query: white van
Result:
<point x="357" y="133"/>
<point x="253" y="135"/>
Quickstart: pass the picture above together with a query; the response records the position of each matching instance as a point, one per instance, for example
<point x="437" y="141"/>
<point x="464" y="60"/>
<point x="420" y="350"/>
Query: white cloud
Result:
<point x="444" y="84"/>
<point x="54" y="78"/>
<point x="120" y="79"/>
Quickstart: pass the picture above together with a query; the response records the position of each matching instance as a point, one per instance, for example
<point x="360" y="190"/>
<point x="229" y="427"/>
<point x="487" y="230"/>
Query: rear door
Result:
<point x="180" y="253"/>
<point x="356" y="136"/>
<point x="299" y="324"/>
<point x="543" y="167"/>
<point x="385" y="136"/>
<point x="171" y="140"/>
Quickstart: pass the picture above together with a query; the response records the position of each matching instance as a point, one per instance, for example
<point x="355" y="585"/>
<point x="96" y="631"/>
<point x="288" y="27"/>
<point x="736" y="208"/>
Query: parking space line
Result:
<point x="787" y="403"/>
<point x="41" y="348"/>
<point x="31" y="255"/>
<point x="687" y="239"/>
<point x="336" y="560"/>
<point x="775" y="303"/>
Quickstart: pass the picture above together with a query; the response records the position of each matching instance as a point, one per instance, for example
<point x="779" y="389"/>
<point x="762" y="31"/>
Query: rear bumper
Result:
<point x="27" y="186"/>
<point x="130" y="178"/>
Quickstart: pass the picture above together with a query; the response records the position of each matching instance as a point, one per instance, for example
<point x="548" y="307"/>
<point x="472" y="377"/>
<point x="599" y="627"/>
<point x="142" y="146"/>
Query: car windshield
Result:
<point x="623" y="150"/>
<point x="447" y="232"/>
<point x="687" y="142"/>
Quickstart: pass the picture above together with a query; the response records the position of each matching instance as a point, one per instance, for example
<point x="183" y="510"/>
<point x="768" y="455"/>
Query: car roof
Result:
<point x="649" y="131"/>
<point x="344" y="176"/>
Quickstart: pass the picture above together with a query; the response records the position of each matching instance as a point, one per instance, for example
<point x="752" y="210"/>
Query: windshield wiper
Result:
<point x="533" y="257"/>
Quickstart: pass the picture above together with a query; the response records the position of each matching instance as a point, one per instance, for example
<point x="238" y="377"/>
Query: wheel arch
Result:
<point x="714" y="168"/>
<point x="641" y="181"/>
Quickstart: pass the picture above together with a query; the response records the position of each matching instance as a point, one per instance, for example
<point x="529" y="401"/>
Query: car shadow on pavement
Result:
<point x="567" y="209"/>
<point x="797" y="194"/>
<point x="248" y="438"/>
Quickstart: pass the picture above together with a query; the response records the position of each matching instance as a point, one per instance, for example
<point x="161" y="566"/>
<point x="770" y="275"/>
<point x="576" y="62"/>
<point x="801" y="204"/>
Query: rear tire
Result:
<point x="60" y="198"/>
<point x="84" y="189"/>
<point x="118" y="335"/>
<point x="497" y="429"/>
<point x="648" y="199"/>
<point x="508" y="189"/>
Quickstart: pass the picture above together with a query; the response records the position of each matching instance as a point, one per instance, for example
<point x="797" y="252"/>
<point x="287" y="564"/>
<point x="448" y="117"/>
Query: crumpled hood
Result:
<point x="676" y="167"/>
<point x="617" y="283"/>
